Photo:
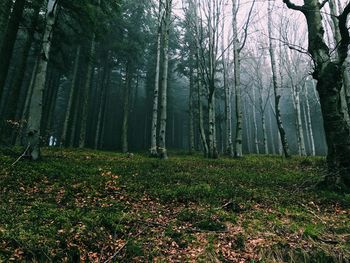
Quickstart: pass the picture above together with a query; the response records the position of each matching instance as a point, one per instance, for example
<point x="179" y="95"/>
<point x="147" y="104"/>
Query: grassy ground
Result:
<point x="108" y="207"/>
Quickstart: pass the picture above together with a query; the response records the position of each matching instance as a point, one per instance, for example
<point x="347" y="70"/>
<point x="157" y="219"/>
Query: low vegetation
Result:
<point x="107" y="207"/>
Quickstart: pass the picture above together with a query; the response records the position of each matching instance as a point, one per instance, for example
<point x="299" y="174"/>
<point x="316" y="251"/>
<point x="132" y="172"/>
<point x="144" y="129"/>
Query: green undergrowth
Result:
<point x="82" y="205"/>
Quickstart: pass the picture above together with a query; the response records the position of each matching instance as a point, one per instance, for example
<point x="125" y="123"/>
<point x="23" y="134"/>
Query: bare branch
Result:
<point x="290" y="5"/>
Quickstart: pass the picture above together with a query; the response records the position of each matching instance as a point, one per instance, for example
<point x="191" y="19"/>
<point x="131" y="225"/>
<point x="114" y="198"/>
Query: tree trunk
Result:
<point x="13" y="101"/>
<point x="263" y="124"/>
<point x="309" y="122"/>
<point x="154" y="126"/>
<point x="272" y="137"/>
<point x="86" y="94"/>
<point x="18" y="136"/>
<point x="212" y="127"/>
<point x="126" y="100"/>
<point x="36" y="104"/>
<point x="72" y="93"/>
<point x="228" y="102"/>
<point x="256" y="140"/>
<point x="345" y="91"/>
<point x="201" y="119"/>
<point x="164" y="87"/>
<point x="5" y="11"/>
<point x="9" y="42"/>
<point x="275" y="86"/>
<point x="191" y="114"/>
<point x="237" y="80"/>
<point x="102" y="102"/>
<point x="336" y="129"/>
<point x="298" y="121"/>
<point x="329" y="76"/>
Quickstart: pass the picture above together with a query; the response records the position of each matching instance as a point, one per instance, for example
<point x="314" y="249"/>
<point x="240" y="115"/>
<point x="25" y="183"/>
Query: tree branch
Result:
<point x="290" y="5"/>
<point x="344" y="32"/>
<point x="323" y="3"/>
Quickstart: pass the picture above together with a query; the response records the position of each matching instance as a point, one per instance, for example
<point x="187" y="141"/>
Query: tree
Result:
<point x="328" y="72"/>
<point x="8" y="42"/>
<point x="36" y="102"/>
<point x="164" y="83"/>
<point x="237" y="48"/>
<point x="277" y="97"/>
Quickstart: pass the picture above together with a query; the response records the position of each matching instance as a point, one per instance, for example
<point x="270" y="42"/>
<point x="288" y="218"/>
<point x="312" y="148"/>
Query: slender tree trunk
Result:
<point x="126" y="100"/>
<point x="228" y="103"/>
<point x="263" y="124"/>
<point x="272" y="137"/>
<point x="191" y="114"/>
<point x="24" y="113"/>
<point x="154" y="126"/>
<point x="199" y="81"/>
<point x="298" y="121"/>
<point x="163" y="101"/>
<point x="51" y="104"/>
<point x="5" y="11"/>
<point x="86" y="94"/>
<point x="275" y="86"/>
<point x="212" y="127"/>
<point x="9" y="42"/>
<point x="13" y="101"/>
<point x="309" y="122"/>
<point x="102" y="102"/>
<point x="256" y="140"/>
<point x="72" y="92"/>
<point x="201" y="119"/>
<point x="237" y="80"/>
<point x="345" y="91"/>
<point x="36" y="104"/>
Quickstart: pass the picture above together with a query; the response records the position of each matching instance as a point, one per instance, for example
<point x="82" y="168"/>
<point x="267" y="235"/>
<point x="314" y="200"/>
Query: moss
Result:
<point x="76" y="202"/>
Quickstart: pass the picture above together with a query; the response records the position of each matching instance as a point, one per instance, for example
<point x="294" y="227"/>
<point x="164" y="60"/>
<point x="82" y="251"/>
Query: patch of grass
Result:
<point x="82" y="205"/>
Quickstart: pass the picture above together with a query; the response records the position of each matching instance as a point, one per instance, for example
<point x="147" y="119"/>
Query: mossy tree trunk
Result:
<point x="329" y="75"/>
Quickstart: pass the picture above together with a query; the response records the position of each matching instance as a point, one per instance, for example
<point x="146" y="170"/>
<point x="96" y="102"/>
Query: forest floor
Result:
<point x="81" y="205"/>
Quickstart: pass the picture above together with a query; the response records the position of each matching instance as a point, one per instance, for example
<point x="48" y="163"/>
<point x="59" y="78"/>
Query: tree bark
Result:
<point x="154" y="126"/>
<point x="309" y="122"/>
<point x="237" y="80"/>
<point x="13" y="101"/>
<point x="126" y="100"/>
<point x="36" y="104"/>
<point x="9" y="42"/>
<point x="345" y="91"/>
<point x="191" y="114"/>
<point x="228" y="102"/>
<point x="329" y="75"/>
<point x="277" y="97"/>
<point x="256" y="139"/>
<point x="72" y="93"/>
<point x="298" y="120"/>
<point x="5" y="11"/>
<point x="163" y="101"/>
<point x="86" y="94"/>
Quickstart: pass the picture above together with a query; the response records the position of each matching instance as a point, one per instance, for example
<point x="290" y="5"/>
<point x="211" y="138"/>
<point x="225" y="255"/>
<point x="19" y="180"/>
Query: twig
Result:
<point x="329" y="241"/>
<point x="312" y="212"/>
<point x="122" y="247"/>
<point x="22" y="155"/>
